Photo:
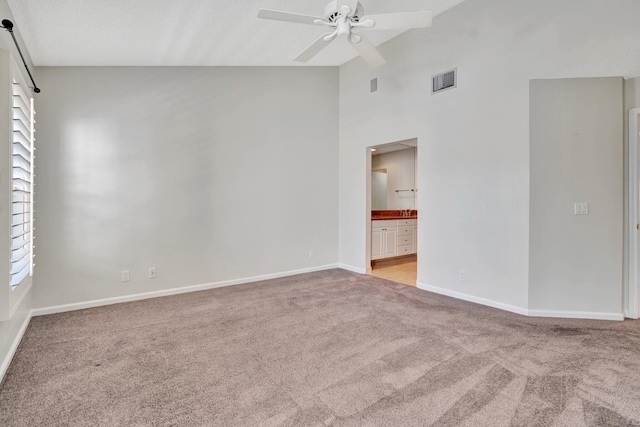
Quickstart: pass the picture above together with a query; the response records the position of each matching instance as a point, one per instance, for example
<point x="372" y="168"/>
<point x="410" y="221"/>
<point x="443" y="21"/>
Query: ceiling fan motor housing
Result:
<point x="331" y="12"/>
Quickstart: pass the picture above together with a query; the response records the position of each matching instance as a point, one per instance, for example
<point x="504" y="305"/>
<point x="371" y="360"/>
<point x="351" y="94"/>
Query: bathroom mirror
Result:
<point x="379" y="189"/>
<point x="393" y="171"/>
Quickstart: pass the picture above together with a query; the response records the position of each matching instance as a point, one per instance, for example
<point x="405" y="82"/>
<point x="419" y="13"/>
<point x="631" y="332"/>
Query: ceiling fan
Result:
<point x="346" y="19"/>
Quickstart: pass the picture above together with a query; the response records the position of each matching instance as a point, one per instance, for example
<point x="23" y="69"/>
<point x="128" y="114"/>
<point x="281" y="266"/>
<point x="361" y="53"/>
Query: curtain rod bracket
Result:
<point x="8" y="25"/>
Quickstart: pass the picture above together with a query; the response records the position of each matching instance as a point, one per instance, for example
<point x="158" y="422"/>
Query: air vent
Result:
<point x="444" y="81"/>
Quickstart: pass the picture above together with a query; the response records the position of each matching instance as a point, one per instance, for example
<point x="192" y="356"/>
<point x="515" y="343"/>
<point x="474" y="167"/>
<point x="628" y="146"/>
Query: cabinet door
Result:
<point x="390" y="241"/>
<point x="415" y="240"/>
<point x="376" y="243"/>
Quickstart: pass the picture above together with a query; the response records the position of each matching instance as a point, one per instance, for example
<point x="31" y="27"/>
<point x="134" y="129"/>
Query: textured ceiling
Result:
<point x="184" y="32"/>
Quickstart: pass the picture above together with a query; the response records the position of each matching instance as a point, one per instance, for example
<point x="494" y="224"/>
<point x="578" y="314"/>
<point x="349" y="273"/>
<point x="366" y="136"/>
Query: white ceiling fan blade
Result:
<point x="351" y="4"/>
<point x="400" y="20"/>
<point x="288" y="16"/>
<point x="315" y="48"/>
<point x="368" y="52"/>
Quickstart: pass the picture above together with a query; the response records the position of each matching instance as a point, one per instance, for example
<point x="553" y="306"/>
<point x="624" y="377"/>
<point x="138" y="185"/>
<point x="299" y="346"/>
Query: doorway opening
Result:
<point x="392" y="215"/>
<point x="632" y="291"/>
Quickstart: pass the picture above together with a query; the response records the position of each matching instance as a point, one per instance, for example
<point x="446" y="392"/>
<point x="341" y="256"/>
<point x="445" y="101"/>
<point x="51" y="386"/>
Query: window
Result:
<point x="22" y="185"/>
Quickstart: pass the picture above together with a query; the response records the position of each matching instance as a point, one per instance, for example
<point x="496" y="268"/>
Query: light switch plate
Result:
<point x="581" y="209"/>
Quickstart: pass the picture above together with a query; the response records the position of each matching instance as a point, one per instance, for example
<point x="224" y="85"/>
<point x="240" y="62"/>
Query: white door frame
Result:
<point x="633" y="284"/>
<point x="368" y="213"/>
<point x="369" y="167"/>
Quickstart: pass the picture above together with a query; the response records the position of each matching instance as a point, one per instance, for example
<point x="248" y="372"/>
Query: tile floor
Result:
<point x="403" y="270"/>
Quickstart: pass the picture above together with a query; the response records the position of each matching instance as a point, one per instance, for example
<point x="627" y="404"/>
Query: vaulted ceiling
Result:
<point x="184" y="32"/>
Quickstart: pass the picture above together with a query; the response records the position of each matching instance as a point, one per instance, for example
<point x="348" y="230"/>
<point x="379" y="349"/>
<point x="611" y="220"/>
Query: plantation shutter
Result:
<point x="22" y="185"/>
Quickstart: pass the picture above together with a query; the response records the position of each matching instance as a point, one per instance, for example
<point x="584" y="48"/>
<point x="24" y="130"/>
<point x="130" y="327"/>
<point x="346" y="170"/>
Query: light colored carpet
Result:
<point x="327" y="348"/>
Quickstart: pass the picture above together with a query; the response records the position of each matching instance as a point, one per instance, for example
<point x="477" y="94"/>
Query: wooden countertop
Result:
<point x="384" y="218"/>
<point x="393" y="215"/>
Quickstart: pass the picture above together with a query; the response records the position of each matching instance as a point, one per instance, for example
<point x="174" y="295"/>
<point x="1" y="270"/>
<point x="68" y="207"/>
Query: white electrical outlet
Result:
<point x="153" y="273"/>
<point x="311" y="254"/>
<point x="462" y="275"/>
<point x="125" y="276"/>
<point x="581" y="208"/>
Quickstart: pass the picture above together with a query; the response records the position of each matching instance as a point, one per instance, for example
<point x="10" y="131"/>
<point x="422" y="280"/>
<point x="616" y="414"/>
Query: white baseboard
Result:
<point x="353" y="269"/>
<point x="175" y="291"/>
<point x="618" y="317"/>
<point x="471" y="298"/>
<point x="521" y="310"/>
<point x="4" y="367"/>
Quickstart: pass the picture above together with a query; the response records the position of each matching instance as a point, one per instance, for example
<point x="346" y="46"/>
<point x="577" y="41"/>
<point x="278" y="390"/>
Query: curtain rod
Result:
<point x="8" y="25"/>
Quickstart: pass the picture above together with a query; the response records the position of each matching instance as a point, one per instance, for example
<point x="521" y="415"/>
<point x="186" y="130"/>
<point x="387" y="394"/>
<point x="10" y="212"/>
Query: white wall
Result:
<point x="473" y="142"/>
<point x="208" y="174"/>
<point x="400" y="166"/>
<point x="576" y="157"/>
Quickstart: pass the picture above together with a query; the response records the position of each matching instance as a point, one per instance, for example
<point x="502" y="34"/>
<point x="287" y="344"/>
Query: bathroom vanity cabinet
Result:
<point x="392" y="238"/>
